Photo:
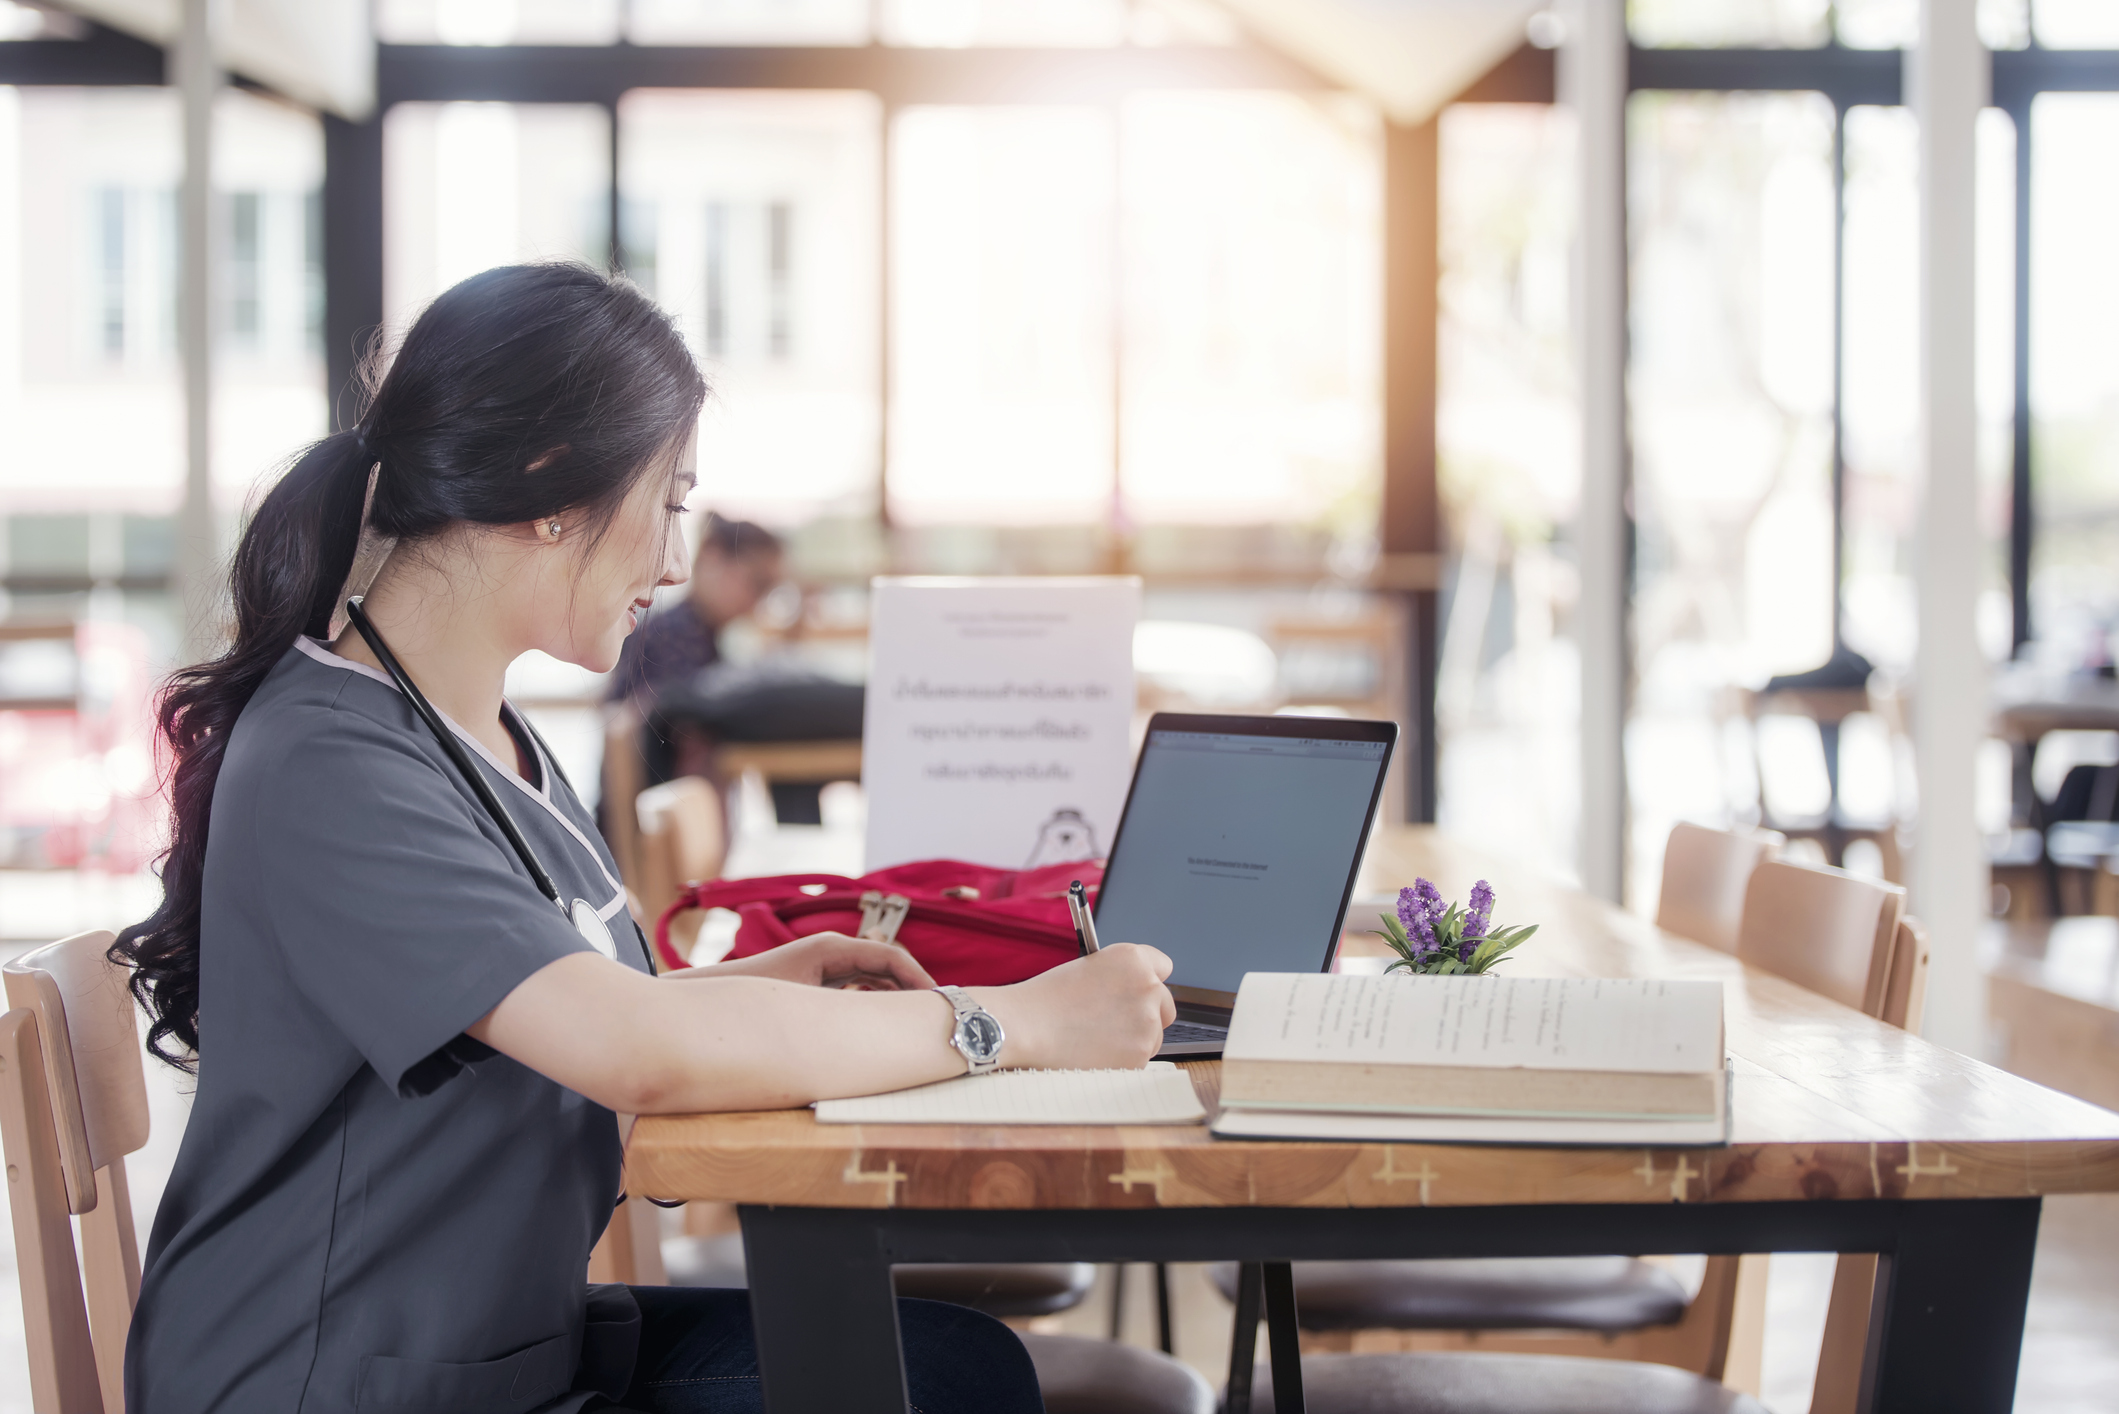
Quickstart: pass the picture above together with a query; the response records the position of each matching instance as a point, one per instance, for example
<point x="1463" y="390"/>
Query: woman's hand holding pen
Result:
<point x="1105" y="1011"/>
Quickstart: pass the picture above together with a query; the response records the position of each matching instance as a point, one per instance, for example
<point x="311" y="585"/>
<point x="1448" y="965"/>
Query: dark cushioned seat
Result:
<point x="999" y="1289"/>
<point x="1498" y="1384"/>
<point x="1081" y="1376"/>
<point x="1486" y="1293"/>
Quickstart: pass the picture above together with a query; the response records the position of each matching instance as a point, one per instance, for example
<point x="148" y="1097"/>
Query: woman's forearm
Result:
<point x="748" y="1043"/>
<point x="643" y="1046"/>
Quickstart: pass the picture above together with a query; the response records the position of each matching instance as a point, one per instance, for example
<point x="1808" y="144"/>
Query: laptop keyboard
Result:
<point x="1178" y="1031"/>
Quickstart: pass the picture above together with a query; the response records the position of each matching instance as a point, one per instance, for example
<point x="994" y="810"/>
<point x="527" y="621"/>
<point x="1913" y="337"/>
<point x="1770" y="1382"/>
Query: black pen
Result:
<point x="1084" y="921"/>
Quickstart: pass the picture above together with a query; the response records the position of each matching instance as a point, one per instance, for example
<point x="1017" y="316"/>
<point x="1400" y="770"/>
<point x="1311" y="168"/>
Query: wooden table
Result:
<point x="1848" y="1135"/>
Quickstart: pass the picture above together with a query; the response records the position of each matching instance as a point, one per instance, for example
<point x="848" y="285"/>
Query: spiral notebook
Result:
<point x="1160" y="1094"/>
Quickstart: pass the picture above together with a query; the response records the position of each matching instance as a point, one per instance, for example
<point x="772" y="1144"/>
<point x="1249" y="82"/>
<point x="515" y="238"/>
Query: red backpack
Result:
<point x="969" y="925"/>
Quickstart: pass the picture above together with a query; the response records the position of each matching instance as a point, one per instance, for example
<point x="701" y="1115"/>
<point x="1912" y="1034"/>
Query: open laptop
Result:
<point x="1237" y="853"/>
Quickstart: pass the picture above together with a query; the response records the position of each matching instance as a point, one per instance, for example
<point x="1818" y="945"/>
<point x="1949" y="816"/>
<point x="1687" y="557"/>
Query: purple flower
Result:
<point x="1479" y="912"/>
<point x="1420" y="908"/>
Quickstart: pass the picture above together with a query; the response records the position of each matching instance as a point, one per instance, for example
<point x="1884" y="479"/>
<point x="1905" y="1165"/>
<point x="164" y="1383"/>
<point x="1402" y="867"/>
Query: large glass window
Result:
<point x="2074" y="375"/>
<point x="960" y="23"/>
<point x="1002" y="306"/>
<point x="1731" y="388"/>
<point x="1736" y="23"/>
<point x="2076" y="24"/>
<point x="753" y="218"/>
<point x="497" y="21"/>
<point x="92" y="340"/>
<point x="749" y="22"/>
<point x="1507" y="699"/>
<point x="1880" y="414"/>
<point x="1251" y="322"/>
<point x="467" y="186"/>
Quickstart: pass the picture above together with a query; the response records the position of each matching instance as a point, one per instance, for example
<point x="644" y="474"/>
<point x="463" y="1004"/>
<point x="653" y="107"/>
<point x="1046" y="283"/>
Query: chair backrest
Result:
<point x="63" y="1373"/>
<point x="1704" y="875"/>
<point x="683" y="836"/>
<point x="1823" y="929"/>
<point x="1906" y="991"/>
<point x="96" y="1099"/>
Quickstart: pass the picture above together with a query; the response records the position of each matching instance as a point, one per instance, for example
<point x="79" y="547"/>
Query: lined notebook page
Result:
<point x="1161" y="1094"/>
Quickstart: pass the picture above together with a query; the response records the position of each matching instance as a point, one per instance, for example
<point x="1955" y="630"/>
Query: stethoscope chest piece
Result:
<point x="592" y="928"/>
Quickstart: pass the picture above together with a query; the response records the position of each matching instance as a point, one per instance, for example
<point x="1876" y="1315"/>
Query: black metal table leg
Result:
<point x="1243" y="1339"/>
<point x="825" y="1316"/>
<point x="1284" y="1337"/>
<point x="1951" y="1304"/>
<point x="1162" y="1307"/>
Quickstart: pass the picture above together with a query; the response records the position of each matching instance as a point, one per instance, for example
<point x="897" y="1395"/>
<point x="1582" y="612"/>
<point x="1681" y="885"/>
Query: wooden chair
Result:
<point x="1836" y="1388"/>
<point x="73" y="1104"/>
<point x="682" y="836"/>
<point x="1822" y="929"/>
<point x="1829" y="708"/>
<point x="624" y="774"/>
<point x="1704" y="876"/>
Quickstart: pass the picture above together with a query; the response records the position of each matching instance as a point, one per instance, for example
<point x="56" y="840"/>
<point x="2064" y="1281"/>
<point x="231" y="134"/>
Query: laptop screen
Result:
<point x="1237" y="850"/>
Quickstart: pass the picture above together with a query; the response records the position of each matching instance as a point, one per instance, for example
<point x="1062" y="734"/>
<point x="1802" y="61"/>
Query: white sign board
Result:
<point x="999" y="718"/>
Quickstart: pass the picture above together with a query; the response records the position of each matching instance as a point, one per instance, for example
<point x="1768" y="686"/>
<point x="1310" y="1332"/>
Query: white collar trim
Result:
<point x="311" y="648"/>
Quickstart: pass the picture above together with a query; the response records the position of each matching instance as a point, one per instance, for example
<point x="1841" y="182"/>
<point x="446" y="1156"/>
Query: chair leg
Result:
<point x="1118" y="1300"/>
<point x="1162" y="1306"/>
<point x="1243" y="1339"/>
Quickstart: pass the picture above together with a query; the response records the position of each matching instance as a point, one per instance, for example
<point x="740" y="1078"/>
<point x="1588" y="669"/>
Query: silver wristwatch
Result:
<point x="978" y="1037"/>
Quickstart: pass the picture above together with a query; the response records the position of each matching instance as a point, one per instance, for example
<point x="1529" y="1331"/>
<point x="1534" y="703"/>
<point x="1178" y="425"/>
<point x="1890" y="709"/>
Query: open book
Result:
<point x="1476" y="1059"/>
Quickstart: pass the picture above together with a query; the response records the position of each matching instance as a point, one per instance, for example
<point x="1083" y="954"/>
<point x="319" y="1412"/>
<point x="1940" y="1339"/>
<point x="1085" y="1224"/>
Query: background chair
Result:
<point x="681" y="837"/>
<point x="1705" y="873"/>
<point x="1828" y="708"/>
<point x="624" y="776"/>
<point x="1822" y="929"/>
<point x="85" y="1108"/>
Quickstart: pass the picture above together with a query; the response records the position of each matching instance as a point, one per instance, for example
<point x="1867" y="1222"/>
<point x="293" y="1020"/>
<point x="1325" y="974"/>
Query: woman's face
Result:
<point x="614" y="576"/>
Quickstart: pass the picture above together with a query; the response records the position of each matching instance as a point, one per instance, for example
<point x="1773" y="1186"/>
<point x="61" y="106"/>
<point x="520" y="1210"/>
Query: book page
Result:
<point x="1469" y="1129"/>
<point x="1647" y="1025"/>
<point x="1160" y="1094"/>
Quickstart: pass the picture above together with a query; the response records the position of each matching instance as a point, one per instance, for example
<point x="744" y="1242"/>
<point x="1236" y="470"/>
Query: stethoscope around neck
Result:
<point x="580" y="912"/>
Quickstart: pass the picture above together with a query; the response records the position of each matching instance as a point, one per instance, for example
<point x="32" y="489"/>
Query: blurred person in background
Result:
<point x="738" y="564"/>
<point x="688" y="698"/>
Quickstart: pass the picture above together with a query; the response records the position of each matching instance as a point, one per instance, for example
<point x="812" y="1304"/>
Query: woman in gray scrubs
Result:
<point x="410" y="1062"/>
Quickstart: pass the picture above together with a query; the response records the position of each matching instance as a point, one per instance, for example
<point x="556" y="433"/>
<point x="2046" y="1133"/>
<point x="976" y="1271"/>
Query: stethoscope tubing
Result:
<point x="455" y="749"/>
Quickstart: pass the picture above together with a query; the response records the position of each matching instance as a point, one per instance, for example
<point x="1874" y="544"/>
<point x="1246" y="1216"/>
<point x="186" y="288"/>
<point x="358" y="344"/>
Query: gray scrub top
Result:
<point x="370" y="1210"/>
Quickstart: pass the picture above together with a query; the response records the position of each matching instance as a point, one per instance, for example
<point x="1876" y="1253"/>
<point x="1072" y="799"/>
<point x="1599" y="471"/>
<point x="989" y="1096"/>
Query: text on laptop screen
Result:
<point x="1236" y="850"/>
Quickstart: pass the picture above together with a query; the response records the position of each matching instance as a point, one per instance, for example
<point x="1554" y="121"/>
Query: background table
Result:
<point x="1847" y="1135"/>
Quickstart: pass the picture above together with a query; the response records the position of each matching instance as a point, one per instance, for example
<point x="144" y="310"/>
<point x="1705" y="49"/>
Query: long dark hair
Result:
<point x="523" y="392"/>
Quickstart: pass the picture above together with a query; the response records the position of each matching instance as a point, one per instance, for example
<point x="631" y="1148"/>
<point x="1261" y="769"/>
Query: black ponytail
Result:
<point x="523" y="392"/>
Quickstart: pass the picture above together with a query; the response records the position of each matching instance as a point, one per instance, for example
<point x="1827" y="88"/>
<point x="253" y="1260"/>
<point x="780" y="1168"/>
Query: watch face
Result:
<point x="980" y="1036"/>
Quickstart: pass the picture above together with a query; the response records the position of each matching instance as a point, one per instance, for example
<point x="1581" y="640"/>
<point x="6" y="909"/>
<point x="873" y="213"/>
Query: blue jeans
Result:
<point x="697" y="1356"/>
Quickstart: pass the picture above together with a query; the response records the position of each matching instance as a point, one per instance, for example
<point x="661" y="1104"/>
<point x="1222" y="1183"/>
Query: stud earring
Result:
<point x="553" y="527"/>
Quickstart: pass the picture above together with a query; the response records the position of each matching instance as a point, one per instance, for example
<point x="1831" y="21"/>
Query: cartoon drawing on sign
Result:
<point x="1064" y="838"/>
